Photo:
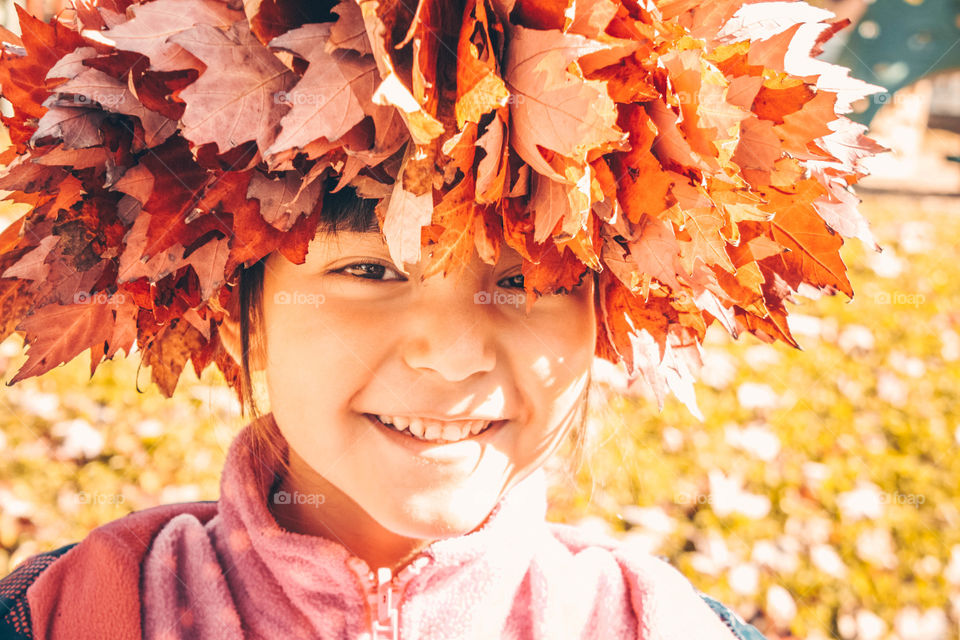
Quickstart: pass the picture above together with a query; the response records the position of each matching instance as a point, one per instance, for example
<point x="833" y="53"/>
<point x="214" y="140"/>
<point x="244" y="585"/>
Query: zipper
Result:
<point x="383" y="592"/>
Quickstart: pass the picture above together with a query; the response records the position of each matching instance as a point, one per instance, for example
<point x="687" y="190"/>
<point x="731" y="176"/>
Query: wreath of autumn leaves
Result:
<point x="691" y="153"/>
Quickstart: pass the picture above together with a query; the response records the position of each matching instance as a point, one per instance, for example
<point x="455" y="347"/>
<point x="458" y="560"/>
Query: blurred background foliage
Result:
<point x="820" y="496"/>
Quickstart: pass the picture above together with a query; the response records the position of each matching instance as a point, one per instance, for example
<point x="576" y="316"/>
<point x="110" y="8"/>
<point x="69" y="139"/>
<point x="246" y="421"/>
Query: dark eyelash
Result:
<point x="370" y="264"/>
<point x="378" y="264"/>
<point x="518" y="275"/>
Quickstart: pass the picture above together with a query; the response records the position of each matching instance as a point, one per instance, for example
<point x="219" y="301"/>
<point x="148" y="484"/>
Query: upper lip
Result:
<point x="427" y="416"/>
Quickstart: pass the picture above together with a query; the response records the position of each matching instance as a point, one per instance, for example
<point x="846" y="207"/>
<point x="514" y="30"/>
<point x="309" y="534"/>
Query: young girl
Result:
<point x="396" y="488"/>
<point x="408" y="499"/>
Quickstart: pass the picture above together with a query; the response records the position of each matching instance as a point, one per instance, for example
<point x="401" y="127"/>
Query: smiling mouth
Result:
<point x="447" y="435"/>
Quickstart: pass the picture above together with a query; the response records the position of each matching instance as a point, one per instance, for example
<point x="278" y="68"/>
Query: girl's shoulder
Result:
<point x="72" y="579"/>
<point x="14" y="610"/>
<point x="654" y="583"/>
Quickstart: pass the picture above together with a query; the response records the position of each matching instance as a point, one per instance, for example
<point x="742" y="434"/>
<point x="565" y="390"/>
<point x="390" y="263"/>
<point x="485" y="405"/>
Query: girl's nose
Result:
<point x="448" y="331"/>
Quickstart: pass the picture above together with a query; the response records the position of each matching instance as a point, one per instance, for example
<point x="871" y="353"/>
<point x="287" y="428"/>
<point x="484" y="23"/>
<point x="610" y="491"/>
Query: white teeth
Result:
<point x="416" y="428"/>
<point x="451" y="432"/>
<point x="433" y="430"/>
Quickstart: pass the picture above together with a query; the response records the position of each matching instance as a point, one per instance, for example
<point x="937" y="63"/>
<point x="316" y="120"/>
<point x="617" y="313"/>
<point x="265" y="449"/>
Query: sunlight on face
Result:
<point x="348" y="334"/>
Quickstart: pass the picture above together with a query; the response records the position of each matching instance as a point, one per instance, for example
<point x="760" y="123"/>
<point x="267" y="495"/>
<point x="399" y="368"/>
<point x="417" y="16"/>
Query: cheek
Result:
<point x="317" y="358"/>
<point x="559" y="342"/>
<point x="555" y="351"/>
<point x="317" y="334"/>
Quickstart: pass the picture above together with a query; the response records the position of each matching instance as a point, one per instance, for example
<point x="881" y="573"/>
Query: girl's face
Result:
<point x="350" y="337"/>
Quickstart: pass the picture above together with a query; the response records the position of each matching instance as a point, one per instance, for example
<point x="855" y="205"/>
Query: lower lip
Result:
<point x="437" y="449"/>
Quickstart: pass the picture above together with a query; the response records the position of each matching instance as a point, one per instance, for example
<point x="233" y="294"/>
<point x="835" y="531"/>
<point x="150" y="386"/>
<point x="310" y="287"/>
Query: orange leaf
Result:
<point x="814" y="257"/>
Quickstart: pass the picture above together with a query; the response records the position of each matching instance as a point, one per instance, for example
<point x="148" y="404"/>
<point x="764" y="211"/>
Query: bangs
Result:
<point x="344" y="210"/>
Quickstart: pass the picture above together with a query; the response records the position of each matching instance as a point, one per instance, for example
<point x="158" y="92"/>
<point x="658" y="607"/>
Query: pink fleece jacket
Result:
<point x="227" y="570"/>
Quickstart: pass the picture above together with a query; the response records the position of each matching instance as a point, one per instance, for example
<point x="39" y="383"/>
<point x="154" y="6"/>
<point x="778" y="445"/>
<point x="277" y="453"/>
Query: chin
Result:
<point x="433" y="521"/>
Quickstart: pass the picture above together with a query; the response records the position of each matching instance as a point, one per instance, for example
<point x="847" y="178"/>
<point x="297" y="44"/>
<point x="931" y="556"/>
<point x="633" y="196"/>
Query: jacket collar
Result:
<point x="304" y="572"/>
<point x="96" y="586"/>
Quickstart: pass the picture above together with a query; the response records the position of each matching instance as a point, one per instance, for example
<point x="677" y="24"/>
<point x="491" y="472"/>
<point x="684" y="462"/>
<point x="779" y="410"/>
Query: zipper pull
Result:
<point x="387" y="616"/>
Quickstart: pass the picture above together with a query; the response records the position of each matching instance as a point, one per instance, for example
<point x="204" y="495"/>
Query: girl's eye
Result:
<point x="515" y="281"/>
<point x="370" y="271"/>
<point x="376" y="271"/>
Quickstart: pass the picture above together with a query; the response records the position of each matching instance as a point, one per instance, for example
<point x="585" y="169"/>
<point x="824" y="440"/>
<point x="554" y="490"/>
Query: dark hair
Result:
<point x="343" y="210"/>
